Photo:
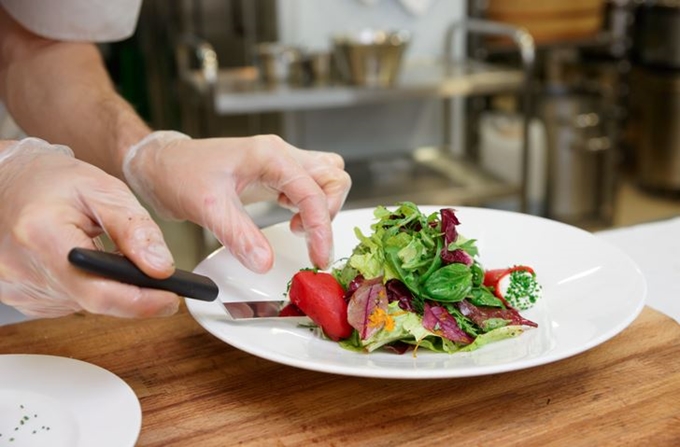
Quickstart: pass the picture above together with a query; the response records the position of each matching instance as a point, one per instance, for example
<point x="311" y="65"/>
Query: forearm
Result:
<point x="61" y="92"/>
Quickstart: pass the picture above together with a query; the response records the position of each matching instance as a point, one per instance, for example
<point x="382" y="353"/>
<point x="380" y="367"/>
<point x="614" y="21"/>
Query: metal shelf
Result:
<point x="239" y="92"/>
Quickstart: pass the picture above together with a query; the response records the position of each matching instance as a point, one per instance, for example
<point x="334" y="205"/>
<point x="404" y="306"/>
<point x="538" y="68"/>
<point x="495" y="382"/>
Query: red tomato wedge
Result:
<point x="291" y="310"/>
<point x="321" y="298"/>
<point x="493" y="277"/>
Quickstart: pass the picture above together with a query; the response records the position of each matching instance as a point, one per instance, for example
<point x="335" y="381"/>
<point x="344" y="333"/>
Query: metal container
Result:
<point x="370" y="57"/>
<point x="577" y="143"/>
<point x="656" y="114"/>
<point x="318" y="68"/>
<point x="280" y="64"/>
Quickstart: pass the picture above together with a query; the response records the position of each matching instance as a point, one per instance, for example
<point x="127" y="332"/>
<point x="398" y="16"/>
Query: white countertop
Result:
<point x="655" y="248"/>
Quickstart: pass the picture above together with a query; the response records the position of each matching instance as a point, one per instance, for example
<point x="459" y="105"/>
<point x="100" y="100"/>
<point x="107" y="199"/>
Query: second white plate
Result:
<point x="62" y="402"/>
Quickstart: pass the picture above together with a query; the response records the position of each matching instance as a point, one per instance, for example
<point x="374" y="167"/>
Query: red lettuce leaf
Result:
<point x="438" y="320"/>
<point x="397" y="291"/>
<point x="479" y="314"/>
<point x="368" y="297"/>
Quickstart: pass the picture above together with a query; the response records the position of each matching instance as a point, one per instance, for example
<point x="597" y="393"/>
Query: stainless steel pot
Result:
<point x="577" y="143"/>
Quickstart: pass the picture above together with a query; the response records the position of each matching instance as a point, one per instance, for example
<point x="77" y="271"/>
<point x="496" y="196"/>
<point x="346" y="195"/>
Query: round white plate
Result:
<point x="61" y="402"/>
<point x="591" y="292"/>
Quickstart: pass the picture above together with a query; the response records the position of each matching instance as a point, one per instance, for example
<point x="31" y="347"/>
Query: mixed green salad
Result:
<point x="415" y="282"/>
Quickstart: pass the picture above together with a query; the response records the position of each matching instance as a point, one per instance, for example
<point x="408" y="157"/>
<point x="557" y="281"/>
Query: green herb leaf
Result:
<point x="450" y="283"/>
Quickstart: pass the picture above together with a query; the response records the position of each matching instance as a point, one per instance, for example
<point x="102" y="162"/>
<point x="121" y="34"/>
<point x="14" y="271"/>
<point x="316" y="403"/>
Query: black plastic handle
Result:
<point x="120" y="268"/>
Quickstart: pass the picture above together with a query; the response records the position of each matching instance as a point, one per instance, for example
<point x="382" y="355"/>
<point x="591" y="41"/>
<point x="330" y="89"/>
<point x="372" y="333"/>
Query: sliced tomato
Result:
<point x="291" y="310"/>
<point x="322" y="299"/>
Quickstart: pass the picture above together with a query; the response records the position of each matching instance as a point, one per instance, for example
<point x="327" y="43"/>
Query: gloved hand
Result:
<point x="209" y="181"/>
<point x="50" y="203"/>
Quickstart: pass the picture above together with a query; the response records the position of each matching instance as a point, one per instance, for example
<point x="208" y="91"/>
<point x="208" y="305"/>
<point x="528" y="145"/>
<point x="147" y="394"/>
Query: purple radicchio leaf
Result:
<point x="370" y="296"/>
<point x="438" y="320"/>
<point x="449" y="221"/>
<point x="479" y="314"/>
<point x="397" y="291"/>
<point x="353" y="286"/>
<point x="456" y="256"/>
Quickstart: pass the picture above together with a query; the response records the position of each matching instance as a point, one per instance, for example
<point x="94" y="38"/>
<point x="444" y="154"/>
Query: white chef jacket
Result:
<point x="71" y="20"/>
<point x="83" y="20"/>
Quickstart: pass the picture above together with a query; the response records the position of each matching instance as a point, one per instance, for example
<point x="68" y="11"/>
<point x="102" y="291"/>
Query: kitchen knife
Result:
<point x="120" y="268"/>
<point x="183" y="283"/>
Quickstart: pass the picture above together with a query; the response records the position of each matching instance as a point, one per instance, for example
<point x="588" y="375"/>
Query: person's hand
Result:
<point x="209" y="181"/>
<point x="50" y="203"/>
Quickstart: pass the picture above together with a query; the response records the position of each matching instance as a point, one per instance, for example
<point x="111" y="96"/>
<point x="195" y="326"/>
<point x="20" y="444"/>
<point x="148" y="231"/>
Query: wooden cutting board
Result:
<point x="196" y="390"/>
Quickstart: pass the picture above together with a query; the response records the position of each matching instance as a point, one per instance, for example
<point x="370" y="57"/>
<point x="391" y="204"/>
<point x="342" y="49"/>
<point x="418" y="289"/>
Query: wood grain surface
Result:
<point x="196" y="390"/>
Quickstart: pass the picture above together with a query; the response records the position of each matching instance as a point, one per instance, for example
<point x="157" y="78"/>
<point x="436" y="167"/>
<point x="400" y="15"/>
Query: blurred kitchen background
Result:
<point x="565" y="109"/>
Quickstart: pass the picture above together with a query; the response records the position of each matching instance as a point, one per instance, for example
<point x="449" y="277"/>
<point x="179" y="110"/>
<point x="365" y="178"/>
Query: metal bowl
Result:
<point x="370" y="57"/>
<point x="279" y="64"/>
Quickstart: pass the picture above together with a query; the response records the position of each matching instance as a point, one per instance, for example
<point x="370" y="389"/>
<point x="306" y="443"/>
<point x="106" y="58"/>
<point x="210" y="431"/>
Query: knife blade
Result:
<point x="182" y="282"/>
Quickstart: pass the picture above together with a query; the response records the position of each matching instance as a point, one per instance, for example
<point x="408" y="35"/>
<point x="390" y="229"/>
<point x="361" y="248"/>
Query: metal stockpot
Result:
<point x="577" y="142"/>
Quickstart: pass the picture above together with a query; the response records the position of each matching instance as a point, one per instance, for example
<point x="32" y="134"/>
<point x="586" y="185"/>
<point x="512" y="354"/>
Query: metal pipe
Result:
<point x="527" y="48"/>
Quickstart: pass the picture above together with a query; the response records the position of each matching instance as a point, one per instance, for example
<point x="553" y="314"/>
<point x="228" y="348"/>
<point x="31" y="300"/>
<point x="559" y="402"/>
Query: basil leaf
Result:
<point x="477" y="274"/>
<point x="482" y="296"/>
<point x="450" y="283"/>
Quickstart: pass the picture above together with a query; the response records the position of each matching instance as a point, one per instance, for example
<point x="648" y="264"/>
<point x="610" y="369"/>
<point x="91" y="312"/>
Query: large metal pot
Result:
<point x="577" y="144"/>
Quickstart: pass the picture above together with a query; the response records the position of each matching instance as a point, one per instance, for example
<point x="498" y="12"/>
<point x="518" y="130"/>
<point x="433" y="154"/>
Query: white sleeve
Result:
<point x="76" y="20"/>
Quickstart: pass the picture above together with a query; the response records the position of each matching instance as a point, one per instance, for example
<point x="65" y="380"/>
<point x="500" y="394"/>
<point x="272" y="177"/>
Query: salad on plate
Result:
<point x="414" y="283"/>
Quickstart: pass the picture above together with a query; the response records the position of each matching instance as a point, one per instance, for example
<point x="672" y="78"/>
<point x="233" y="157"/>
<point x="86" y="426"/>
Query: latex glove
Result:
<point x="50" y="203"/>
<point x="209" y="181"/>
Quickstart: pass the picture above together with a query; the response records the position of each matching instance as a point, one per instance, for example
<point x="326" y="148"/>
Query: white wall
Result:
<point x="375" y="129"/>
<point x="312" y="22"/>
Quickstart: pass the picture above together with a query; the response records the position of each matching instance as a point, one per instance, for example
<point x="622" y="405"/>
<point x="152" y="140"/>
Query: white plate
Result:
<point x="591" y="292"/>
<point x="61" y="402"/>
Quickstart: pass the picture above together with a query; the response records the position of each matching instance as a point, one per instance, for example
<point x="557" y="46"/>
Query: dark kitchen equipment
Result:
<point x="655" y="116"/>
<point x="657" y="34"/>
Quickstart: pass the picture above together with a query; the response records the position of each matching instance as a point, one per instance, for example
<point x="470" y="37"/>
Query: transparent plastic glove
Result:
<point x="209" y="181"/>
<point x="50" y="203"/>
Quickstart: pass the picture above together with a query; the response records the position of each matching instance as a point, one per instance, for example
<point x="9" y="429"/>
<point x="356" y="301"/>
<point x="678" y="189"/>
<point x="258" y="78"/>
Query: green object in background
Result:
<point x="126" y="66"/>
